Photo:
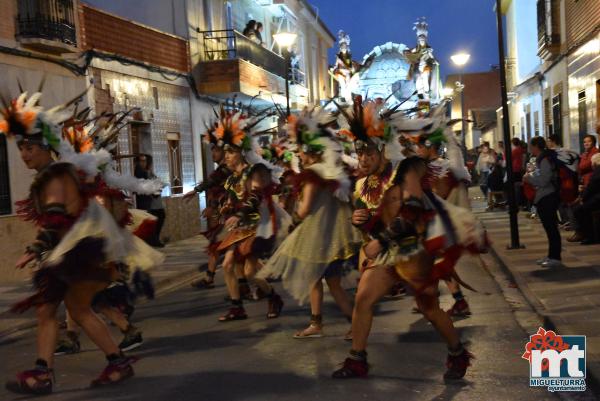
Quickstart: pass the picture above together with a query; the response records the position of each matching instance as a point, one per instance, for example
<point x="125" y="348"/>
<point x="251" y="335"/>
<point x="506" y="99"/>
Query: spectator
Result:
<point x="501" y="153"/>
<point x="585" y="164"/>
<point x="547" y="200"/>
<point x="553" y="142"/>
<point x="518" y="166"/>
<point x="258" y="33"/>
<point x="250" y="30"/>
<point x="151" y="203"/>
<point x="485" y="163"/>
<point x="590" y="203"/>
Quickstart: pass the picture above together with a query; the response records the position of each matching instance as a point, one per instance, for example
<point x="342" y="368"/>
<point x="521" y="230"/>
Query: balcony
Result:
<point x="548" y="24"/>
<point x="230" y="62"/>
<point x="47" y="25"/>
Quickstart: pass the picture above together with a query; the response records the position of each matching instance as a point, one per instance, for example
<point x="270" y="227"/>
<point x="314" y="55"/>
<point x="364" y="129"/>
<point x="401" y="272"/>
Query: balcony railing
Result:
<point x="297" y="76"/>
<point x="229" y="44"/>
<point x="52" y="20"/>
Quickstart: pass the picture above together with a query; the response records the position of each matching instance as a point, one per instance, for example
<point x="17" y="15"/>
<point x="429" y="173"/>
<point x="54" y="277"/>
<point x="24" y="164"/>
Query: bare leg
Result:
<point x="230" y="270"/>
<point x="316" y="298"/>
<point x="250" y="269"/>
<point x="340" y="295"/>
<point x="47" y="333"/>
<point x="374" y="284"/>
<point x="212" y="263"/>
<point x="115" y="316"/>
<point x="428" y="302"/>
<point x="453" y="286"/>
<point x="78" y="300"/>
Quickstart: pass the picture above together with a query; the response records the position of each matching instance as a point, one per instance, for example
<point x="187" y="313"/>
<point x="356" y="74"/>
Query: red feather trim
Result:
<point x="146" y="229"/>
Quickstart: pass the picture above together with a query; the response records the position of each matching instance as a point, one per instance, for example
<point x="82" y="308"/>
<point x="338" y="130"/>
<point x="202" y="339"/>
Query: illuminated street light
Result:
<point x="285" y="39"/>
<point x="460" y="59"/>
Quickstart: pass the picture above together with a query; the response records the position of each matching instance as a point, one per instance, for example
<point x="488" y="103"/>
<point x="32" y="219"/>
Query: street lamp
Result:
<point x="460" y="60"/>
<point x="285" y="40"/>
<point x="513" y="208"/>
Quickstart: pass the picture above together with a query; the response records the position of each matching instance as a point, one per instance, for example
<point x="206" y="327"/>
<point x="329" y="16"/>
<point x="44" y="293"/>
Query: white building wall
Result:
<point x="584" y="75"/>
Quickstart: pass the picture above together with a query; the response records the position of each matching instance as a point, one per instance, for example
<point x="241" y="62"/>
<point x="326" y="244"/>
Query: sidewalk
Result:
<point x="568" y="299"/>
<point x="181" y="264"/>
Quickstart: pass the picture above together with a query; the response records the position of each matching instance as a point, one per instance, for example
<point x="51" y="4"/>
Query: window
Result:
<point x="5" y="206"/>
<point x="547" y="119"/>
<point x="175" y="172"/>
<point x="528" y="121"/>
<point x="557" y="115"/>
<point x="155" y="95"/>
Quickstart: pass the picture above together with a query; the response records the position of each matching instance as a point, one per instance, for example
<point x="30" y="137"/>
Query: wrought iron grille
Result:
<point x="229" y="44"/>
<point x="47" y="19"/>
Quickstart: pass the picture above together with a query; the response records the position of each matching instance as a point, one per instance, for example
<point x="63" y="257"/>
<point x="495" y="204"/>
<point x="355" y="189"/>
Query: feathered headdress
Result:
<point x="231" y="129"/>
<point x="363" y="125"/>
<point x="25" y="120"/>
<point x="308" y="128"/>
<point x="235" y="130"/>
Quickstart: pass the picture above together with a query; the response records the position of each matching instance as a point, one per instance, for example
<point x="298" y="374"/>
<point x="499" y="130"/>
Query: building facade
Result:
<point x="482" y="98"/>
<point x="523" y="69"/>
<point x="583" y="68"/>
<point x="172" y="60"/>
<point x="553" y="71"/>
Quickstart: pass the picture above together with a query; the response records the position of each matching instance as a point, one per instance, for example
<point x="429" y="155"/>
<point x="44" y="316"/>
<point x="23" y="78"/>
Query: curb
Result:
<point x="161" y="287"/>
<point x="593" y="378"/>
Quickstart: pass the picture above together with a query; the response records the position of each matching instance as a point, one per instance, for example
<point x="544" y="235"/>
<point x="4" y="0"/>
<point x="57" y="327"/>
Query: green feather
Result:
<point x="47" y="133"/>
<point x="437" y="137"/>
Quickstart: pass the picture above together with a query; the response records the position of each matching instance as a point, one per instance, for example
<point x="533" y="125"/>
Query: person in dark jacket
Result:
<point x="547" y="199"/>
<point x="590" y="203"/>
<point x="151" y="203"/>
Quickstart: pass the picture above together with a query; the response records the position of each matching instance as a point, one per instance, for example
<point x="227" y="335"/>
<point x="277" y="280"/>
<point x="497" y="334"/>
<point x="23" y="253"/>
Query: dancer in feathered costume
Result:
<point x="78" y="245"/>
<point x="419" y="243"/>
<point x="380" y="265"/>
<point x="323" y="239"/>
<point x="448" y="178"/>
<point x="379" y="152"/>
<point x="255" y="222"/>
<point x="116" y="301"/>
<point x="215" y="198"/>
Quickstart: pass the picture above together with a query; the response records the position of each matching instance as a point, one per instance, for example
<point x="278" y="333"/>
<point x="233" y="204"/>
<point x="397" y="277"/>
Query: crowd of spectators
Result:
<point x="539" y="187"/>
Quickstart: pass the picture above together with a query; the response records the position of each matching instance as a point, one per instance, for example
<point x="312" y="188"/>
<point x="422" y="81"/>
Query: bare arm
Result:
<point x="305" y="203"/>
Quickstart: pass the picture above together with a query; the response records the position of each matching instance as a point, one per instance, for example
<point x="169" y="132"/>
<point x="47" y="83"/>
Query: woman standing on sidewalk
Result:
<point x="547" y="200"/>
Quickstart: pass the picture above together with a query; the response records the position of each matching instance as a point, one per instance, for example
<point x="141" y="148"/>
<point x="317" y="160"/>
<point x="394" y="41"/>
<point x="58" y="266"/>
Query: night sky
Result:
<point x="454" y="25"/>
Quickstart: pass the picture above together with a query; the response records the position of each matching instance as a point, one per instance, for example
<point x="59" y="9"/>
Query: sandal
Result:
<point x="115" y="372"/>
<point x="235" y="313"/>
<point x="352" y="368"/>
<point x="42" y="382"/>
<point x="314" y="330"/>
<point x="275" y="306"/>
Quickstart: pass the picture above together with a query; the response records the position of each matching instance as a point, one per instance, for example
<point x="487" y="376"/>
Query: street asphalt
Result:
<point x="189" y="355"/>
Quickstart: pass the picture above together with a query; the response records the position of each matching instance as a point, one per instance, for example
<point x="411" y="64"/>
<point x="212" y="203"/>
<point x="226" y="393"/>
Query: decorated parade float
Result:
<point x="402" y="76"/>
